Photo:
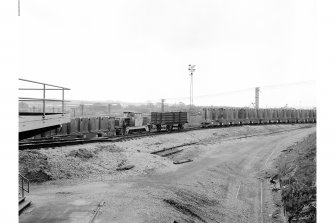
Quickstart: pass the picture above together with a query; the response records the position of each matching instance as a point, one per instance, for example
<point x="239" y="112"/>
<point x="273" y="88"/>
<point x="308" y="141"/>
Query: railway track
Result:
<point x="171" y="150"/>
<point x="57" y="142"/>
<point x="74" y="140"/>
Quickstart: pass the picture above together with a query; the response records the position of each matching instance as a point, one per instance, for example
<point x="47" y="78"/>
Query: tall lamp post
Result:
<point x="191" y="69"/>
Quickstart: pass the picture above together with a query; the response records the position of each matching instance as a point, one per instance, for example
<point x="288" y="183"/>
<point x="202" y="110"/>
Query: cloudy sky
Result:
<point x="139" y="51"/>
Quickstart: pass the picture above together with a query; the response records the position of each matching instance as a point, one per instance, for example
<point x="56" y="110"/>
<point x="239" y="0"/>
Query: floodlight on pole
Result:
<point x="191" y="69"/>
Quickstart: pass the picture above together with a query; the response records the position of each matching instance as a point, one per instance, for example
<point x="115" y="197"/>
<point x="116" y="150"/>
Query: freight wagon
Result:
<point x="238" y="116"/>
<point x="168" y="120"/>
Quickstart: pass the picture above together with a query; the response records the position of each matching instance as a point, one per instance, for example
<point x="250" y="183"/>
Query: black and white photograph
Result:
<point x="167" y="111"/>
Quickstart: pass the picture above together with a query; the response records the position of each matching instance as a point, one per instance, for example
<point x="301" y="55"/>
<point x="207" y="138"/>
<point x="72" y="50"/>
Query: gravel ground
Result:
<point x="100" y="160"/>
<point x="89" y="162"/>
<point x="206" y="136"/>
<point x="224" y="183"/>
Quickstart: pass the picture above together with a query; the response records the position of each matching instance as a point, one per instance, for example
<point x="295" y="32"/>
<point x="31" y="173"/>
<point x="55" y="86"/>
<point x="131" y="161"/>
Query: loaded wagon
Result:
<point x="211" y="116"/>
<point x="168" y="120"/>
<point x="239" y="116"/>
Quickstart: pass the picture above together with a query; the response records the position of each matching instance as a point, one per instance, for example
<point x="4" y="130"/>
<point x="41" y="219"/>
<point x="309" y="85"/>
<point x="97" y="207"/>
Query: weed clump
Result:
<point x="297" y="174"/>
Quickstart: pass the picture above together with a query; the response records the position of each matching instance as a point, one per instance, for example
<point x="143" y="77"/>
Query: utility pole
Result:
<point x="163" y="105"/>
<point x="74" y="112"/>
<point x="191" y="69"/>
<point x="109" y="109"/>
<point x="19" y="7"/>
<point x="257" y="97"/>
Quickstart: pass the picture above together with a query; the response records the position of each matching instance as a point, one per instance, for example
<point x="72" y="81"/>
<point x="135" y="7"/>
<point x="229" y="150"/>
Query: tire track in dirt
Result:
<point x="220" y="185"/>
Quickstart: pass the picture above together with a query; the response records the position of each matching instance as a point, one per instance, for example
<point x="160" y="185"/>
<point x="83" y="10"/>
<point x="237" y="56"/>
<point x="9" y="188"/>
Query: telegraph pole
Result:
<point x="109" y="109"/>
<point x="257" y="97"/>
<point x="191" y="69"/>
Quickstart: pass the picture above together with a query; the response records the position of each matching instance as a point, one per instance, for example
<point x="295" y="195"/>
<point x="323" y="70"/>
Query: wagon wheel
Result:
<point x="180" y="126"/>
<point x="168" y="128"/>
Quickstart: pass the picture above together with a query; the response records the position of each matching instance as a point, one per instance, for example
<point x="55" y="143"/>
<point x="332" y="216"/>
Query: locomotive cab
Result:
<point x="131" y="122"/>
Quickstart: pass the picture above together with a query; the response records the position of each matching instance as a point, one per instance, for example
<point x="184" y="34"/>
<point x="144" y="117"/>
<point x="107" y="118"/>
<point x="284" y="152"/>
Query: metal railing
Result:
<point x="44" y="89"/>
<point x="22" y="188"/>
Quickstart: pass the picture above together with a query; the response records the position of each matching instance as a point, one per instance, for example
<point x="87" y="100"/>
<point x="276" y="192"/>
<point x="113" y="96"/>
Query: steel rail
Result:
<point x="97" y="211"/>
<point x="36" y="144"/>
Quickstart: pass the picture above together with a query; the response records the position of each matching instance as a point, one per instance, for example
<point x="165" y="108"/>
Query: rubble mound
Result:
<point x="88" y="162"/>
<point x="34" y="166"/>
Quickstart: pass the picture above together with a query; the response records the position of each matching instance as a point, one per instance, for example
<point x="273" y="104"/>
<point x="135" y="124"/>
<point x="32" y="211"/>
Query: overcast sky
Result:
<point x="139" y="51"/>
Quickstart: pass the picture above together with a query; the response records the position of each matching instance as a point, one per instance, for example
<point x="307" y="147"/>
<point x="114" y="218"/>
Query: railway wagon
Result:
<point x="210" y="116"/>
<point x="168" y="120"/>
<point x="238" y="116"/>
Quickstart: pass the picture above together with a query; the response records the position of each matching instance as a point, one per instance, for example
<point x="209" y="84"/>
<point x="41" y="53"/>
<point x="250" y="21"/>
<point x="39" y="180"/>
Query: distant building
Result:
<point x="23" y="107"/>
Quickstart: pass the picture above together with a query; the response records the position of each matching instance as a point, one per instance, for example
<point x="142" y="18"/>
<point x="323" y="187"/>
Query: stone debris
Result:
<point x="127" y="167"/>
<point x="182" y="161"/>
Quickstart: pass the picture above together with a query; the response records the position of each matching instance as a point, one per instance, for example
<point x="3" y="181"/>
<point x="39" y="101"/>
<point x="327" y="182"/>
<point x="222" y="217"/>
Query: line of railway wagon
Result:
<point x="128" y="124"/>
<point x="239" y="116"/>
<point x="211" y="117"/>
<point x="82" y="125"/>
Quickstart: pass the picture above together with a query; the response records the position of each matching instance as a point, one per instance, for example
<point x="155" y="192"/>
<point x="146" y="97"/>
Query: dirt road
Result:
<point x="222" y="184"/>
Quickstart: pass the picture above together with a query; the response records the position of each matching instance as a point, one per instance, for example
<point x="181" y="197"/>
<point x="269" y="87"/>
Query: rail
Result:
<point x="74" y="140"/>
<point x="22" y="188"/>
<point x="44" y="89"/>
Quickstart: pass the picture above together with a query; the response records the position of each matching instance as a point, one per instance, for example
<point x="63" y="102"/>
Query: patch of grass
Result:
<point x="296" y="169"/>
